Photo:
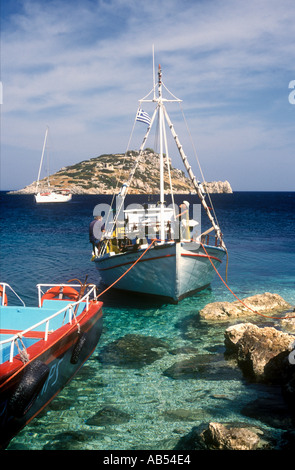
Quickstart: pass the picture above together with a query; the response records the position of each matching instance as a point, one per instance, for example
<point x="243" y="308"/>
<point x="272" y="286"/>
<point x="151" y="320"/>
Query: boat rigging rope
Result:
<point x="198" y="162"/>
<point x="121" y="172"/>
<point x="247" y="306"/>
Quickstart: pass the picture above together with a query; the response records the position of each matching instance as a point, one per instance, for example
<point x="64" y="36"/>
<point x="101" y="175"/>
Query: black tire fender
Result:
<point x="28" y="388"/>
<point x="78" y="348"/>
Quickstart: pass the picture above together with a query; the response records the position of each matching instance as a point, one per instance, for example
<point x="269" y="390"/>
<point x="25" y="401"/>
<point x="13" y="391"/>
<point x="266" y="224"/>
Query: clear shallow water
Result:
<point x="50" y="244"/>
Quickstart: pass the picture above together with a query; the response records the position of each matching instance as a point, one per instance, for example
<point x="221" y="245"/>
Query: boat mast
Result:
<point x="161" y="131"/>
<point x="41" y="163"/>
<point x="163" y="116"/>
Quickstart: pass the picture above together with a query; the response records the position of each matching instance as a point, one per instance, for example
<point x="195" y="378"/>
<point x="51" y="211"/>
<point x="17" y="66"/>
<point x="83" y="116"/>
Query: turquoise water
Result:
<point x="147" y="408"/>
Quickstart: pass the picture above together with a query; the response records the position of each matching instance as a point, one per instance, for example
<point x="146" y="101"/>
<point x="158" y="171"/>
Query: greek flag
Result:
<point x="143" y="117"/>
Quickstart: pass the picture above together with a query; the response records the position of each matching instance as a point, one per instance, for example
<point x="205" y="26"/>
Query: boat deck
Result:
<point x="16" y="319"/>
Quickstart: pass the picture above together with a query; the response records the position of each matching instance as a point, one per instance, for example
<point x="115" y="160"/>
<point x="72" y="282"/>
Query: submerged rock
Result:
<point x="270" y="410"/>
<point x="133" y="351"/>
<point x="107" y="416"/>
<point x="185" y="415"/>
<point x="184" y="350"/>
<point x="208" y="366"/>
<point x="191" y="368"/>
<point x="266" y="303"/>
<point x="69" y="440"/>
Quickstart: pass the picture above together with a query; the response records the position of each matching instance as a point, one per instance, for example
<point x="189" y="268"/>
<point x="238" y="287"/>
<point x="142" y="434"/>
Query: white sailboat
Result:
<point x="156" y="250"/>
<point x="49" y="195"/>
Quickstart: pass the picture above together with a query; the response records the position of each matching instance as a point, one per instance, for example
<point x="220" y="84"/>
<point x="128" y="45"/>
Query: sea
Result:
<point x="143" y="406"/>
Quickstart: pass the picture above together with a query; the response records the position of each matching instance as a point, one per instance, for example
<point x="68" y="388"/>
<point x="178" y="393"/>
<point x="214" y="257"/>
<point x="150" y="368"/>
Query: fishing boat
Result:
<point x="49" y="195"/>
<point x="157" y="250"/>
<point x="42" y="347"/>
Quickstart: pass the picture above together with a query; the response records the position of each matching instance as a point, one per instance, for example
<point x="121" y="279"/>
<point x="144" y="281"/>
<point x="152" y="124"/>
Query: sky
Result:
<point x="81" y="67"/>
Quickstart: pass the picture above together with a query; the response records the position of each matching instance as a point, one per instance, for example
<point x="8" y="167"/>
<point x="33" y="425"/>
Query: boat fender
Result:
<point x="60" y="293"/>
<point x="5" y="297"/>
<point x="78" y="348"/>
<point x="29" y="387"/>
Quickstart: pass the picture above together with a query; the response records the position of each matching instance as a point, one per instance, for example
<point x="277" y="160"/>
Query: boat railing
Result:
<point x="206" y="239"/>
<point x="210" y="240"/>
<point x="68" y="310"/>
<point x="5" y="287"/>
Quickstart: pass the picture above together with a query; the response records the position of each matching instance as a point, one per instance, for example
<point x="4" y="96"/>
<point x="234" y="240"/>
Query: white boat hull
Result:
<point x="52" y="197"/>
<point x="171" y="271"/>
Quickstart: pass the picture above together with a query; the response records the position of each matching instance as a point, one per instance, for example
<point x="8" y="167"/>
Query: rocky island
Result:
<point x="106" y="173"/>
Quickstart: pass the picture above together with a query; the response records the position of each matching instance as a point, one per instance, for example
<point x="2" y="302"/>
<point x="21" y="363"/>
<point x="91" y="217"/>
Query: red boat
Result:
<point x="42" y="348"/>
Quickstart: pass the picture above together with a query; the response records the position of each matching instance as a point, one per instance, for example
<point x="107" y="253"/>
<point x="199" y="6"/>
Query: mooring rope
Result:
<point x="247" y="306"/>
<point x="22" y="352"/>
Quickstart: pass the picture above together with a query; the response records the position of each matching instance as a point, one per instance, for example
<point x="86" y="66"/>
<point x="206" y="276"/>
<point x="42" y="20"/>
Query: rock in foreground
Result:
<point x="222" y="437"/>
<point x="227" y="436"/>
<point x="266" y="303"/>
<point x="262" y="353"/>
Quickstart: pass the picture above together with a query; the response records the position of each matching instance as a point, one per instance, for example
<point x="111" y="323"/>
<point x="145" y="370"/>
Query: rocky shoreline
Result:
<point x="264" y="355"/>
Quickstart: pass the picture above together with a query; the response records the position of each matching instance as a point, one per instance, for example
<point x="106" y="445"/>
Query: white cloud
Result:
<point x="81" y="66"/>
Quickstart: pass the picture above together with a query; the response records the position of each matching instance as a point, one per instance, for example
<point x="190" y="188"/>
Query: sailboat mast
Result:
<point x="161" y="125"/>
<point x="42" y="156"/>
